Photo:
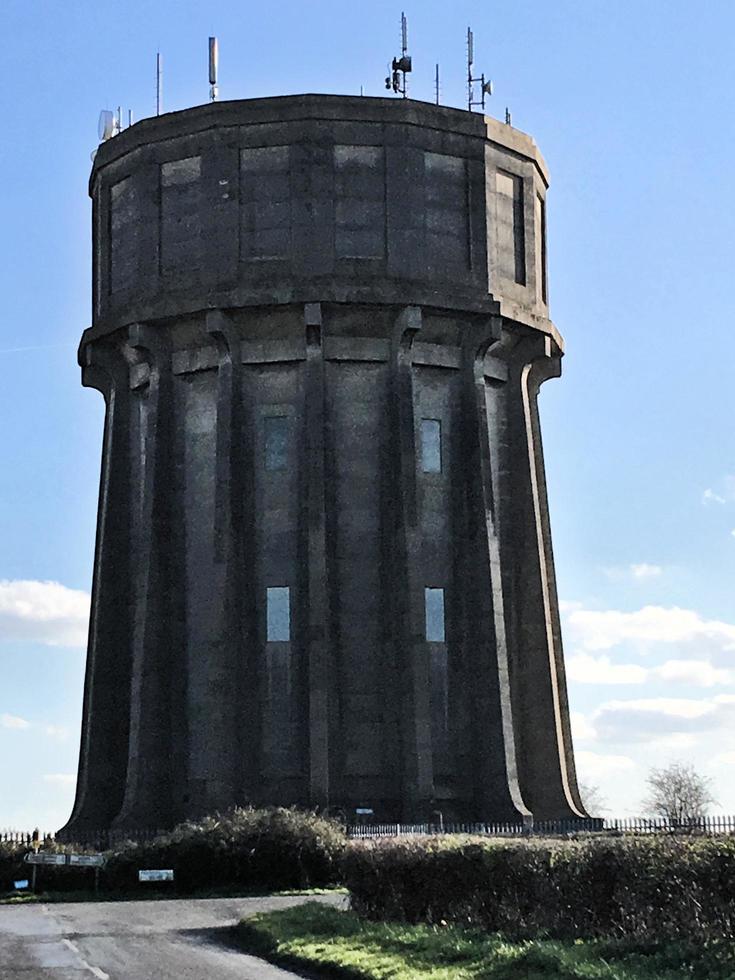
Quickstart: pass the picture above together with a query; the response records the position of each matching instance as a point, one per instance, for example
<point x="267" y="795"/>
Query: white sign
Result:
<point x="87" y="860"/>
<point x="45" y="858"/>
<point x="364" y="810"/>
<point x="20" y="885"/>
<point x="164" y="874"/>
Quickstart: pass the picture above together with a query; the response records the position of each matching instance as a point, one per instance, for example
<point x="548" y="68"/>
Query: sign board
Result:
<point x="86" y="860"/>
<point x="162" y="874"/>
<point x="43" y="857"/>
<point x="365" y="810"/>
<point x="20" y="885"/>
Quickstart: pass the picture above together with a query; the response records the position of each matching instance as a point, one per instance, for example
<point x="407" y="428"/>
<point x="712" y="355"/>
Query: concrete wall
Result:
<point x="335" y="271"/>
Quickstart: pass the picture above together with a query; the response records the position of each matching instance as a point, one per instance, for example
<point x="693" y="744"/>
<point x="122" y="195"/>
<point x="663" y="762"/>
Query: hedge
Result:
<point x="246" y="848"/>
<point x="644" y="888"/>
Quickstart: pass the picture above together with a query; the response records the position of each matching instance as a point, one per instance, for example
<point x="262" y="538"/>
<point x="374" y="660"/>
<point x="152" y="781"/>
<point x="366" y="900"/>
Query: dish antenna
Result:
<point x="486" y="87"/>
<point x="213" y="66"/>
<point x="107" y="126"/>
<point x="400" y="67"/>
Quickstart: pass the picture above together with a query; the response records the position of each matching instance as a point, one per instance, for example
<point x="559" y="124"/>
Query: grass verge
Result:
<point x="337" y="944"/>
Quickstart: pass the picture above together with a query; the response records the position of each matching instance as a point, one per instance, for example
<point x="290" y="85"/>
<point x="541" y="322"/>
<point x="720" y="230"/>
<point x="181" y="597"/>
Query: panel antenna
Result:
<point x="486" y="87"/>
<point x="400" y="67"/>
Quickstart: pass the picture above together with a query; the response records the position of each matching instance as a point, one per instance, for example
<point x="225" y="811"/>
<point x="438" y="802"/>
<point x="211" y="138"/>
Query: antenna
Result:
<point x="213" y="65"/>
<point x="159" y="82"/>
<point x="436" y="83"/>
<point x="486" y="87"/>
<point x="400" y="67"/>
<point x="107" y="126"/>
<point x="508" y="117"/>
<point x="130" y="118"/>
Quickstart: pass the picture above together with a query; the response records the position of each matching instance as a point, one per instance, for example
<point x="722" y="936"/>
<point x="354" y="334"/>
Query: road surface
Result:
<point x="177" y="939"/>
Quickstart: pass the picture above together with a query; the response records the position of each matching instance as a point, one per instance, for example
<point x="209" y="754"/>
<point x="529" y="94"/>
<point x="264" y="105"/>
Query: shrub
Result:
<point x="643" y="888"/>
<point x="271" y="849"/>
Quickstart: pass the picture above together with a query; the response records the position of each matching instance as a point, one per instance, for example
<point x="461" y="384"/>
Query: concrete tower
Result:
<point x="323" y="571"/>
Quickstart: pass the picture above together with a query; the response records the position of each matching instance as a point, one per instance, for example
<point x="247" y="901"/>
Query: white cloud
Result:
<point x="586" y="669"/>
<point x="43" y="612"/>
<point x="603" y="629"/>
<point x="593" y="765"/>
<point x="13" y="721"/>
<point x="644" y="571"/>
<point x="695" y="673"/>
<point x="724" y="759"/>
<point x="710" y="497"/>
<point x="636" y="572"/>
<point x="674" y="721"/>
<point x="582" y="729"/>
<point x="724" y="494"/>
<point x="56" y="731"/>
<point x="60" y="778"/>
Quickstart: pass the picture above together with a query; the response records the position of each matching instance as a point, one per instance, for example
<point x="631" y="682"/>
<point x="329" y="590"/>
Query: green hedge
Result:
<point x="245" y="848"/>
<point x="644" y="888"/>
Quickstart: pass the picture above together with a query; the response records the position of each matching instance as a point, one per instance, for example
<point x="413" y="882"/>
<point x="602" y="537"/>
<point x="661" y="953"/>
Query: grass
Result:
<point x="336" y="944"/>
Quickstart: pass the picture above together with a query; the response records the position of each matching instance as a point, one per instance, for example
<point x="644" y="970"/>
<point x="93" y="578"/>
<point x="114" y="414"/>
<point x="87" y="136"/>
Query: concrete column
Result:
<point x="104" y="745"/>
<point x="548" y="777"/>
<point x="319" y="620"/>
<point x="496" y="782"/>
<point x="219" y="749"/>
<point x="409" y="614"/>
<point x="147" y="800"/>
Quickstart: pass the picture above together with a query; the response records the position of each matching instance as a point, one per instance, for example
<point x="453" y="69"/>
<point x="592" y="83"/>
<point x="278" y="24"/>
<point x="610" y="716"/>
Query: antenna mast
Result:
<point x="213" y="66"/>
<point x="400" y="67"/>
<point x="486" y="87"/>
<point x="159" y="82"/>
<point x="436" y="83"/>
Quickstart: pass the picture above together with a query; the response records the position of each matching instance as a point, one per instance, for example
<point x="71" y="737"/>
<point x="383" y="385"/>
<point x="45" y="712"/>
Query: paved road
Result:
<point x="156" y="940"/>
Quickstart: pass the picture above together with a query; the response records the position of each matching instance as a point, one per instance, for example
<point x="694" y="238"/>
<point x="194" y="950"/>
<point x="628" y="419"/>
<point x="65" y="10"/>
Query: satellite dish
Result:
<point x="487" y="88"/>
<point x="107" y="126"/>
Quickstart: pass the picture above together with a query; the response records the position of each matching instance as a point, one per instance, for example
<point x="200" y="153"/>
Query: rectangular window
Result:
<point x="511" y="232"/>
<point x="541" y="248"/>
<point x="278" y="614"/>
<point x="276" y="440"/>
<point x="359" y="202"/>
<point x="434" y="605"/>
<point x="265" y="203"/>
<point x="431" y="446"/>
<point x="447" y="214"/>
<point x="180" y="231"/>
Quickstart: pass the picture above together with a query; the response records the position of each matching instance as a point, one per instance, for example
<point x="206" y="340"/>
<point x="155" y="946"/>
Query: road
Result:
<point x="157" y="940"/>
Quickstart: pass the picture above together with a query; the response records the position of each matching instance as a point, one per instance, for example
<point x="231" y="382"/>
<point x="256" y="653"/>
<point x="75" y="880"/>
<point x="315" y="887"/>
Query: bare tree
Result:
<point x="594" y="801"/>
<point x="679" y="794"/>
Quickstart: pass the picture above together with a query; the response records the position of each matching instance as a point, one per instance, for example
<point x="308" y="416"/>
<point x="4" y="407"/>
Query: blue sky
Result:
<point x="632" y="106"/>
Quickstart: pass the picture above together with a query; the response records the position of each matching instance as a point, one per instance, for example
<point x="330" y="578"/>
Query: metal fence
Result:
<point x="711" y="826"/>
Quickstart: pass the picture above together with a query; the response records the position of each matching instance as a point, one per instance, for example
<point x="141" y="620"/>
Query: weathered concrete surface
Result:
<point x="168" y="940"/>
<point x="350" y="269"/>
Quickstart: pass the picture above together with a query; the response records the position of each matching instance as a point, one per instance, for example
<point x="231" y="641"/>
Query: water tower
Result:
<point x="323" y="570"/>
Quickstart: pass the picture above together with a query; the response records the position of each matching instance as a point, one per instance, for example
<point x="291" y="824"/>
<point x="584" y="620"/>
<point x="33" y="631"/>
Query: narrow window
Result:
<point x="278" y="614"/>
<point x="541" y="246"/>
<point x="511" y="233"/>
<point x="434" y="605"/>
<point x="431" y="445"/>
<point x="276" y="432"/>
